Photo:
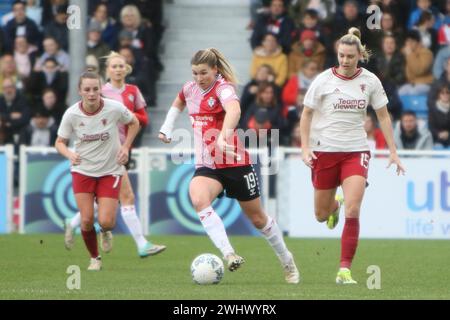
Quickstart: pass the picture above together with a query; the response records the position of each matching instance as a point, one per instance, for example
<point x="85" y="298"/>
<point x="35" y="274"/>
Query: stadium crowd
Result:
<point x="34" y="59"/>
<point x="292" y="41"/>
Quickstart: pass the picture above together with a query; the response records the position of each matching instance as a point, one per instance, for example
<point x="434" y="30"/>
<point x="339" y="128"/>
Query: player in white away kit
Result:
<point x="222" y="162"/>
<point x="97" y="163"/>
<point x="117" y="69"/>
<point x="334" y="143"/>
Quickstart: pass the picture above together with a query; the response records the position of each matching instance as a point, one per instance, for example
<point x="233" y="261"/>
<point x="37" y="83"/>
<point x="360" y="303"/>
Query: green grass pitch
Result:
<point x="34" y="267"/>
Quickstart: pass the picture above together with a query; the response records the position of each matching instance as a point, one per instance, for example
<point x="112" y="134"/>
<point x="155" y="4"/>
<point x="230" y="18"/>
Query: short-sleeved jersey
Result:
<point x="130" y="96"/>
<point x="340" y="106"/>
<point x="96" y="136"/>
<point x="206" y="111"/>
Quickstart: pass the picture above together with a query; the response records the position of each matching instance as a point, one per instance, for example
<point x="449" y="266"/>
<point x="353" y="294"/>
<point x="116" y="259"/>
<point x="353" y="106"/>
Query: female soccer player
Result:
<point x="221" y="160"/>
<point x="116" y="71"/>
<point x="99" y="158"/>
<point x="334" y="143"/>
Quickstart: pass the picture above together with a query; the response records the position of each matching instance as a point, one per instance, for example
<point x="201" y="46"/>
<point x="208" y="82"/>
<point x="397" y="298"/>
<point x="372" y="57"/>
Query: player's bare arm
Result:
<point x="165" y="133"/>
<point x="386" y="127"/>
<point x="61" y="147"/>
<point x="231" y="120"/>
<point x="305" y="128"/>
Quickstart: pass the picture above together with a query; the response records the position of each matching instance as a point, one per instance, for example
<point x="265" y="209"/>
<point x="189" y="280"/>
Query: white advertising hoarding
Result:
<point x="414" y="206"/>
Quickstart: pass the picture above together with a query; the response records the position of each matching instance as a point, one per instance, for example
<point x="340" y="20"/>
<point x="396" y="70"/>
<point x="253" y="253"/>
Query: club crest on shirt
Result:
<point x="363" y="87"/>
<point x="211" y="102"/>
<point x="104" y="121"/>
<point x="131" y="97"/>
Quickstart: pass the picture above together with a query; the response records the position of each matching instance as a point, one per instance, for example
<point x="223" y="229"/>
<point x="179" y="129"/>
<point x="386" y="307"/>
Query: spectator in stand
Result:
<point x="14" y="111"/>
<point x="110" y="28"/>
<point x="95" y="45"/>
<point x="21" y="25"/>
<point x="152" y="12"/>
<point x="24" y="56"/>
<point x="276" y="22"/>
<point x="409" y="136"/>
<point x="428" y="36"/>
<point x="264" y="113"/>
<point x="299" y="81"/>
<point x="113" y="7"/>
<point x="349" y="17"/>
<point x="34" y="12"/>
<point x="324" y="9"/>
<point x="307" y="48"/>
<point x="375" y="137"/>
<point x="444" y="29"/>
<point x="424" y="5"/>
<point x="8" y="69"/>
<point x="419" y="61"/>
<point x="52" y="50"/>
<point x="270" y="53"/>
<point x="439" y="117"/>
<point x="264" y="73"/>
<point x="50" y="76"/>
<point x="444" y="79"/>
<point x="49" y="9"/>
<point x="390" y="64"/>
<point x="143" y="35"/>
<point x="389" y="26"/>
<point x="49" y="102"/>
<point x="311" y="21"/>
<point x="57" y="28"/>
<point x="41" y="131"/>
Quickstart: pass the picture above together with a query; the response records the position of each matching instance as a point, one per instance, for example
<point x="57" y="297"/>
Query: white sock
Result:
<point x="134" y="224"/>
<point x="75" y="222"/>
<point x="273" y="235"/>
<point x="216" y="230"/>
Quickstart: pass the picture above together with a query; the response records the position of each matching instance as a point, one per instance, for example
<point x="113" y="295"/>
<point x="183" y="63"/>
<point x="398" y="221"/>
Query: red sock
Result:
<point x="349" y="241"/>
<point x="90" y="239"/>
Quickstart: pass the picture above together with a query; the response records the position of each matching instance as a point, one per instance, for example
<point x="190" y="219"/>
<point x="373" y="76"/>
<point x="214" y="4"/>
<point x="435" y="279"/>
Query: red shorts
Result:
<point x="102" y="187"/>
<point x="331" y="168"/>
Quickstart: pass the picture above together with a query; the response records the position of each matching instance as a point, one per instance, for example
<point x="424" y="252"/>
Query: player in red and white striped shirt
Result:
<point x="116" y="89"/>
<point x="221" y="160"/>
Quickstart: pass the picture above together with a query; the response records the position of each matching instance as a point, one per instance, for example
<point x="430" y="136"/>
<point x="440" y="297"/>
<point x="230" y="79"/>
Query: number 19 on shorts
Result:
<point x="250" y="179"/>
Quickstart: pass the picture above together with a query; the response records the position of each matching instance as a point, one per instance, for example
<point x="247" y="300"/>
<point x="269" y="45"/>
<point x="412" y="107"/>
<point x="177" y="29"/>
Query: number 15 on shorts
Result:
<point x="365" y="160"/>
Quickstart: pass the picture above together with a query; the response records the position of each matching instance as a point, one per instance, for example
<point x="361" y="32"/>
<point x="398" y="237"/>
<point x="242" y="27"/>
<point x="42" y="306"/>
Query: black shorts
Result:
<point x="240" y="183"/>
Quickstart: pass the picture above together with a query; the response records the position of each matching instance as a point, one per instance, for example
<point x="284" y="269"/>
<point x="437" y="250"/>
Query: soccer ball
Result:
<point x="207" y="268"/>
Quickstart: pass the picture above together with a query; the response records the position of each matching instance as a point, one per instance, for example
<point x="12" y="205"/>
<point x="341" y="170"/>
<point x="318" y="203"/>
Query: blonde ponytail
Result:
<point x="353" y="37"/>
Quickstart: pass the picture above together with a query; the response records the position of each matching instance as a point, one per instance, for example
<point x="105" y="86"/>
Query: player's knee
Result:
<point x="127" y="198"/>
<point x="352" y="211"/>
<point x="200" y="202"/>
<point x="87" y="223"/>
<point x="107" y="223"/>
<point x="258" y="219"/>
